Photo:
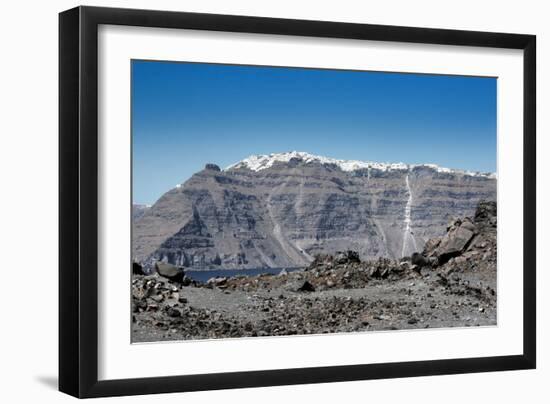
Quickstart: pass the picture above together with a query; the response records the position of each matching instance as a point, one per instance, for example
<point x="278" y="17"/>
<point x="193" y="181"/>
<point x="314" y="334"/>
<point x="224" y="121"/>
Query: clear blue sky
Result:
<point x="186" y="114"/>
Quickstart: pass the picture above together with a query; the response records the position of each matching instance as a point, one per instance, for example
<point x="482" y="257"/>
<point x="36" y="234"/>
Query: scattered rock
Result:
<point x="169" y="271"/>
<point x="186" y="281"/>
<point x="217" y="281"/>
<point x="486" y="213"/>
<point x="419" y="260"/>
<point x="346" y="257"/>
<point x="137" y="269"/>
<point x="306" y="287"/>
<point x="173" y="312"/>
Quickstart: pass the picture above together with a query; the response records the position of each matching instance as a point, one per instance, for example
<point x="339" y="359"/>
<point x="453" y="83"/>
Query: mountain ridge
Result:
<point x="282" y="209"/>
<point x="257" y="162"/>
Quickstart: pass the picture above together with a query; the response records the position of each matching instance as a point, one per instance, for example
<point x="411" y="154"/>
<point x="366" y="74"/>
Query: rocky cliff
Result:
<point x="138" y="211"/>
<point x="282" y="209"/>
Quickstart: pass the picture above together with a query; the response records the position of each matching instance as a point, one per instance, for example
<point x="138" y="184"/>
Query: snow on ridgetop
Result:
<point x="263" y="161"/>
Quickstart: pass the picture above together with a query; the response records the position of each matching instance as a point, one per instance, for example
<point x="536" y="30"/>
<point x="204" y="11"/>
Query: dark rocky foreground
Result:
<point x="452" y="283"/>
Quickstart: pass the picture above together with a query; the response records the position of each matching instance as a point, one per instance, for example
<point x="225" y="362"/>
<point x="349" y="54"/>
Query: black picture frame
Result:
<point x="78" y="201"/>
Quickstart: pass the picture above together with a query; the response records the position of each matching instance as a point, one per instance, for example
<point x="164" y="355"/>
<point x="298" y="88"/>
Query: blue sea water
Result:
<point x="204" y="275"/>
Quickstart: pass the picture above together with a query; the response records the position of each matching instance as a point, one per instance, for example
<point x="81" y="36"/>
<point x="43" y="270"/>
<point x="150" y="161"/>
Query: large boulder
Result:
<point x="217" y="281"/>
<point x="137" y="269"/>
<point x="486" y="214"/>
<point x="458" y="236"/>
<point x="430" y="246"/>
<point x="347" y="257"/>
<point x="306" y="287"/>
<point x="423" y="261"/>
<point x="169" y="271"/>
<point x="321" y="260"/>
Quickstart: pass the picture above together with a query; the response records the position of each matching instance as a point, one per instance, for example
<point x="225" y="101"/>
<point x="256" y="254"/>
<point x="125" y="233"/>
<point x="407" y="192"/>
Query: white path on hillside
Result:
<point x="295" y="253"/>
<point x="299" y="206"/>
<point x="409" y="242"/>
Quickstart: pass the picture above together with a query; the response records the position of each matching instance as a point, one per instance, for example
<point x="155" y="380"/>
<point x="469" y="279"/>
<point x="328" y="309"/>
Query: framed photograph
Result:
<point x="250" y="201"/>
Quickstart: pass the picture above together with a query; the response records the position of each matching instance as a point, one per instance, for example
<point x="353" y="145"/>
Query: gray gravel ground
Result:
<point x="456" y="299"/>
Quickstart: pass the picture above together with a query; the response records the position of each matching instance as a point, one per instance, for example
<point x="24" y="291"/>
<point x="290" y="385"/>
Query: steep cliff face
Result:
<point x="283" y="209"/>
<point x="138" y="211"/>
